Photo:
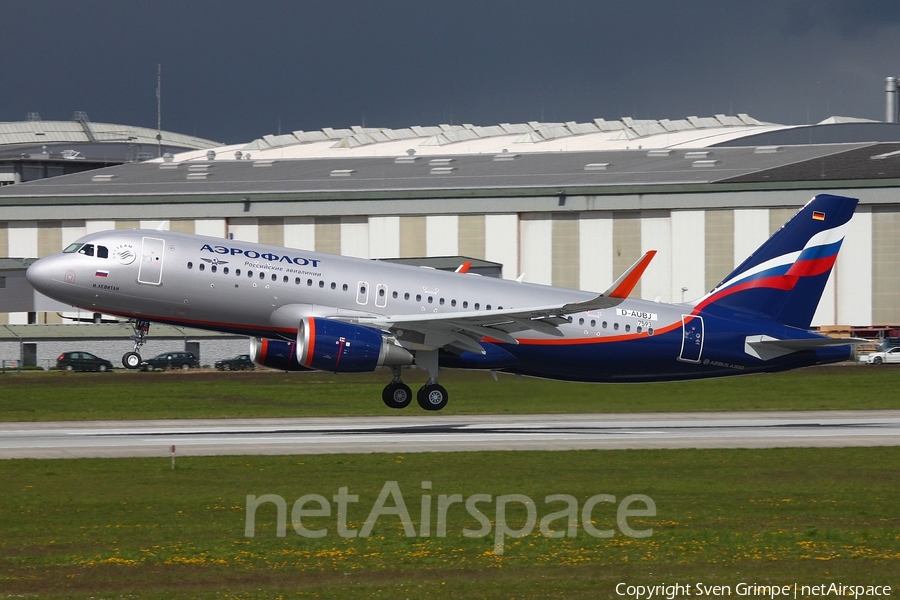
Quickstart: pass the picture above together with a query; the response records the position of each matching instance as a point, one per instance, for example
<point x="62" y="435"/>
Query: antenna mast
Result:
<point x="158" y="110"/>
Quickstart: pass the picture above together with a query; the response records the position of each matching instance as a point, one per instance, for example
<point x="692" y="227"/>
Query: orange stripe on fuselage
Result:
<point x="590" y="340"/>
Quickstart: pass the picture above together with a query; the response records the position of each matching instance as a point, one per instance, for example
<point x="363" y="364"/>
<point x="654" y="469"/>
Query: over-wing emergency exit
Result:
<point x="308" y="310"/>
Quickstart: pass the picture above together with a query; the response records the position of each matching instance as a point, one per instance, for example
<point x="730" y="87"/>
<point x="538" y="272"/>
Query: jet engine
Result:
<point x="275" y="354"/>
<point x="341" y="347"/>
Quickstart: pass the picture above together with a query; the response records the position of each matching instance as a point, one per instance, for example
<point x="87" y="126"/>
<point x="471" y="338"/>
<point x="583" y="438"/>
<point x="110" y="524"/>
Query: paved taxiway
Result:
<point x="445" y="433"/>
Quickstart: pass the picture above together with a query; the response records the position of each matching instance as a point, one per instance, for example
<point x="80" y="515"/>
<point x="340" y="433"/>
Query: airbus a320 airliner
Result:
<point x="307" y="310"/>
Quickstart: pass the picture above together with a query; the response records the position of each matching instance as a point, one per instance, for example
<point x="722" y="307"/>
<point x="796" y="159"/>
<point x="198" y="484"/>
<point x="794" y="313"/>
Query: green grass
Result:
<point x="136" y="528"/>
<point x="85" y="396"/>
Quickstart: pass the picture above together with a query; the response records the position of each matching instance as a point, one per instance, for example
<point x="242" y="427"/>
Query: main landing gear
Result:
<point x="431" y="396"/>
<point x="132" y="360"/>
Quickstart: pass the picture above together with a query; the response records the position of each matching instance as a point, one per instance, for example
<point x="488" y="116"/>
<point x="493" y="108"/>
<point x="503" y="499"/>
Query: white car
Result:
<point x="888" y="356"/>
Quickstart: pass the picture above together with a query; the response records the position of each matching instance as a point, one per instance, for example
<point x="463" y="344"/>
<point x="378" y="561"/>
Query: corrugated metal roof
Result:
<point x="297" y="178"/>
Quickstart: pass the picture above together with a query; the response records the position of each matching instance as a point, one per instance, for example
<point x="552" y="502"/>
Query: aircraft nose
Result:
<point x="40" y="273"/>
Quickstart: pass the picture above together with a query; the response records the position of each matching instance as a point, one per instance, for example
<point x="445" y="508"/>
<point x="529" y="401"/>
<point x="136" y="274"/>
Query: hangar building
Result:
<point x="36" y="149"/>
<point x="568" y="204"/>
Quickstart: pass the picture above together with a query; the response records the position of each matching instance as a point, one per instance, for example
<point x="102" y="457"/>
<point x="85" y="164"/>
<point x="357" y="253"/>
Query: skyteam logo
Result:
<point x="124" y="253"/>
<point x="232" y="251"/>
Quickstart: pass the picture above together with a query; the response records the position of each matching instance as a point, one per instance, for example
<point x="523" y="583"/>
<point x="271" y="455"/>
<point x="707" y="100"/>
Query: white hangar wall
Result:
<point x="699" y="239"/>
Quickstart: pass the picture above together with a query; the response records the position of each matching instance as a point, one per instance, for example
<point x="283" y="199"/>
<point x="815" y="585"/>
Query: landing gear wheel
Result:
<point x="131" y="360"/>
<point x="432" y="396"/>
<point x="397" y="395"/>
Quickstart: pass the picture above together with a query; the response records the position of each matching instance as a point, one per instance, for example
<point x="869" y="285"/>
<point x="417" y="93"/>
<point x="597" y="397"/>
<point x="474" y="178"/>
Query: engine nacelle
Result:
<point x="275" y="354"/>
<point x="341" y="347"/>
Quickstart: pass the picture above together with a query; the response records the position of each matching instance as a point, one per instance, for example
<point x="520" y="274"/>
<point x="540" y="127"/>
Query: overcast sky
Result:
<point x="234" y="70"/>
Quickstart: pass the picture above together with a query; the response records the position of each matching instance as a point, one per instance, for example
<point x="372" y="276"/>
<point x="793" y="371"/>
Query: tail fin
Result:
<point x="785" y="277"/>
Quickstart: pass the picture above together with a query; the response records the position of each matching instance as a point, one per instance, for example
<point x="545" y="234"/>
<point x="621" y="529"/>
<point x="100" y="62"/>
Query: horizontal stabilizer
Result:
<point x="764" y="347"/>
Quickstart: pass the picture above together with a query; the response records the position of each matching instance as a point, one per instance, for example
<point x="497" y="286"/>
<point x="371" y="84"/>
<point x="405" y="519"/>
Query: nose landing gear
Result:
<point x="132" y="360"/>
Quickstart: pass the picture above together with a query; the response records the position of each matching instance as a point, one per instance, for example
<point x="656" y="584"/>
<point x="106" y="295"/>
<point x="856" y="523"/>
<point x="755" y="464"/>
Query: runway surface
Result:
<point x="440" y="433"/>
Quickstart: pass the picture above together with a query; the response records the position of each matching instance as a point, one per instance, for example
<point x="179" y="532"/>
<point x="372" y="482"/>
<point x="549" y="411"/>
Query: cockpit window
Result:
<point x="72" y="248"/>
<point x="87" y="250"/>
<point x="102" y="252"/>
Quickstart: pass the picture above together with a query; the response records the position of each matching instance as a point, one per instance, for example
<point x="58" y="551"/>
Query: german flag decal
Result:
<point x="818" y="216"/>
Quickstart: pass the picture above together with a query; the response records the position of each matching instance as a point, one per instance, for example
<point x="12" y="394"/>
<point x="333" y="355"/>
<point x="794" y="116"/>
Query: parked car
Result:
<point x="238" y="363"/>
<point x="82" y="361"/>
<point x="171" y="360"/>
<point x="888" y="356"/>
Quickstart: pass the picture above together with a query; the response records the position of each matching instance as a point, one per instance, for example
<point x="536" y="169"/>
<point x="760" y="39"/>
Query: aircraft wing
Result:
<point x="463" y="330"/>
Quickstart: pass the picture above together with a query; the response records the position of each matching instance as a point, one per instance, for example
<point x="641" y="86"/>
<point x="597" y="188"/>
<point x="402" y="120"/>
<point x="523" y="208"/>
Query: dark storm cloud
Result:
<point x="236" y="70"/>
